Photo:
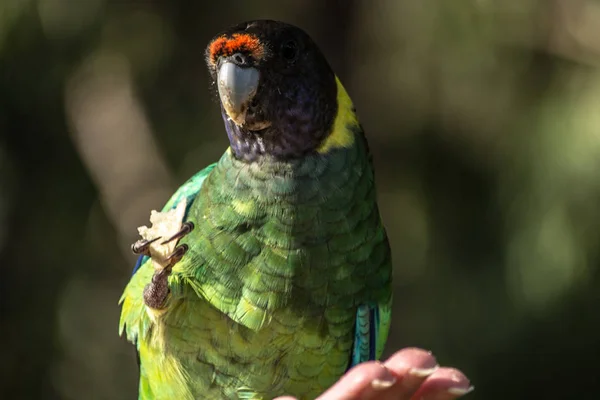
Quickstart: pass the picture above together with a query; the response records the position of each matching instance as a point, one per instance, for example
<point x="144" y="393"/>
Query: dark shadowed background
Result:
<point x="483" y="117"/>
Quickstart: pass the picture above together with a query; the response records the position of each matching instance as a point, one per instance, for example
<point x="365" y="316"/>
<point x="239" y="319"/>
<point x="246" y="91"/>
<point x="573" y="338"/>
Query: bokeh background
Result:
<point x="483" y="117"/>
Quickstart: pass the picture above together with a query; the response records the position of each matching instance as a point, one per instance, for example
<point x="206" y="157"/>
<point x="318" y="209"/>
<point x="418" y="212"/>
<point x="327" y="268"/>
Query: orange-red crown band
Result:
<point x="238" y="42"/>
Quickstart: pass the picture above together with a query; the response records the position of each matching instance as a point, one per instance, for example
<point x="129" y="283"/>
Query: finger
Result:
<point x="411" y="366"/>
<point x="444" y="384"/>
<point x="363" y="381"/>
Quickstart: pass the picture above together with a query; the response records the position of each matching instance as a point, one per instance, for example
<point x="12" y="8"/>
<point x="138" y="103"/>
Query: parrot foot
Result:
<point x="186" y="228"/>
<point x="157" y="291"/>
<point x="142" y="246"/>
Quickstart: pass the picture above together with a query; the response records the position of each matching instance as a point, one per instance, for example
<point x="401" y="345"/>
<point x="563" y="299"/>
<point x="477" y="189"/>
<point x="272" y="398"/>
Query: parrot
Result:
<point x="270" y="270"/>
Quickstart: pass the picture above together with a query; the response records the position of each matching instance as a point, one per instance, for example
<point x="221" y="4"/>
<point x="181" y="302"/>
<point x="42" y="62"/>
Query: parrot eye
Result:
<point x="289" y="51"/>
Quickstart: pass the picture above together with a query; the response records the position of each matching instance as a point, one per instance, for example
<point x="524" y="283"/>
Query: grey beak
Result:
<point x="237" y="86"/>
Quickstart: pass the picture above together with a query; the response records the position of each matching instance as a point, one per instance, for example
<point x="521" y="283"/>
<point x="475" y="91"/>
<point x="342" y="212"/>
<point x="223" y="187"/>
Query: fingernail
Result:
<point x="460" y="391"/>
<point x="422" y="372"/>
<point x="384" y="382"/>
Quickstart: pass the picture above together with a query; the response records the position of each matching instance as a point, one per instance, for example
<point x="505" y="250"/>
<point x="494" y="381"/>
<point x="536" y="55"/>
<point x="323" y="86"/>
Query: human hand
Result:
<point x="409" y="374"/>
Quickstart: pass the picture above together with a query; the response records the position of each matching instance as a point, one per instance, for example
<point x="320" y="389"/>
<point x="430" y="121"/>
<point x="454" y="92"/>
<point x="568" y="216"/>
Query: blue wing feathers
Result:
<point x="138" y="263"/>
<point x="365" y="334"/>
<point x="373" y="332"/>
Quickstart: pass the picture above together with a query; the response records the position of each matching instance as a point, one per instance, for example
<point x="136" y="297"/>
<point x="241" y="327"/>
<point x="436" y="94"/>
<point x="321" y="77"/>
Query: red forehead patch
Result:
<point x="239" y="42"/>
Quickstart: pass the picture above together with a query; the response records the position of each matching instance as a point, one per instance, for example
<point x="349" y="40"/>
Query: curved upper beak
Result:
<point x="237" y="86"/>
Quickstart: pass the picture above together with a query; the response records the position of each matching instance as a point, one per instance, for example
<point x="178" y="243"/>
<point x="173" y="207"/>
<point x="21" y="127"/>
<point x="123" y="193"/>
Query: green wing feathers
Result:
<point x="189" y="190"/>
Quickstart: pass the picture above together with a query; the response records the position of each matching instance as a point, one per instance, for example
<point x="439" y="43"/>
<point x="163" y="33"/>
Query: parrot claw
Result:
<point x="177" y="254"/>
<point x="157" y="291"/>
<point x="142" y="246"/>
<point x="186" y="228"/>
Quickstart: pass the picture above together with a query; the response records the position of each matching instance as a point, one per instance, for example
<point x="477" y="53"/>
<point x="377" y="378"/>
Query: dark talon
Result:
<point x="142" y="246"/>
<point x="177" y="254"/>
<point x="186" y="228"/>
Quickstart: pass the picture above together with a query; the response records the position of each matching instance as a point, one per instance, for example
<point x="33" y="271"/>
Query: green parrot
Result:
<point x="279" y="276"/>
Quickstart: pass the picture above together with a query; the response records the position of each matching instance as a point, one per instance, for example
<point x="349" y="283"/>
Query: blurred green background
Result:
<point x="483" y="117"/>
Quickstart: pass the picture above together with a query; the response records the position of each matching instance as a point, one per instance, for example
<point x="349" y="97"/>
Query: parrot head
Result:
<point x="276" y="89"/>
